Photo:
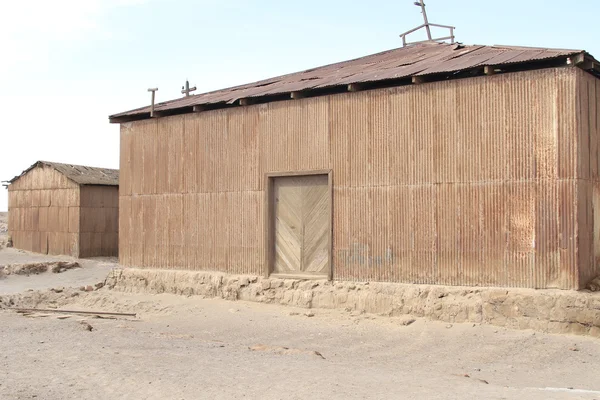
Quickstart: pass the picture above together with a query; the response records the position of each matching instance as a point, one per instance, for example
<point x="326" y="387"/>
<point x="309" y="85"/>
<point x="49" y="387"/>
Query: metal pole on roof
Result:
<point x="427" y="27"/>
<point x="153" y="90"/>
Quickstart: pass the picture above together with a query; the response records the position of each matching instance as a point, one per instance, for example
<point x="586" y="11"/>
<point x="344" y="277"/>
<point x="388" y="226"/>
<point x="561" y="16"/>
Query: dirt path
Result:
<point x="191" y="348"/>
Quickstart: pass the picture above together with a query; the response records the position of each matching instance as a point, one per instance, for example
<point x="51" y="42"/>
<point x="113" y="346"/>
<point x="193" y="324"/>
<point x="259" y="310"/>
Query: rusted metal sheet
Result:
<point x="470" y="182"/>
<point x="418" y="60"/>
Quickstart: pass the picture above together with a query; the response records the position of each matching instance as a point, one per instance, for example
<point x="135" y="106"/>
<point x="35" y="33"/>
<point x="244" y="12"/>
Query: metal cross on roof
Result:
<point x="427" y="25"/>
<point x="187" y="89"/>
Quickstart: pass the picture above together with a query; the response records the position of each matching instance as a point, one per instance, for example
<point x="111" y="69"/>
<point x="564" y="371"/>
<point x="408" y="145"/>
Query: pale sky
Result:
<point x="65" y="65"/>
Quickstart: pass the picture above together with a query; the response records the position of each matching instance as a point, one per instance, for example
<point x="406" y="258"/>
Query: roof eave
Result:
<point x="578" y="58"/>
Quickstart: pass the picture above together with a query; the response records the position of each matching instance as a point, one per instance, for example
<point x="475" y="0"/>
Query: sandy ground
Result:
<point x="192" y="348"/>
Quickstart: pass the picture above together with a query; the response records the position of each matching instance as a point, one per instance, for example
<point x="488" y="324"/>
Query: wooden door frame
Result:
<point x="270" y="222"/>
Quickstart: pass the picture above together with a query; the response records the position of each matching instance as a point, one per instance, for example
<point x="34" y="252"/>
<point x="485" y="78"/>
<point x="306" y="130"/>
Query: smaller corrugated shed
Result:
<point x="79" y="174"/>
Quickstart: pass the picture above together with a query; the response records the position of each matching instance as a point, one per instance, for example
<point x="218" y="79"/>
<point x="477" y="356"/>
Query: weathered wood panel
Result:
<point x="301" y="215"/>
<point x="288" y="225"/>
<point x="470" y="181"/>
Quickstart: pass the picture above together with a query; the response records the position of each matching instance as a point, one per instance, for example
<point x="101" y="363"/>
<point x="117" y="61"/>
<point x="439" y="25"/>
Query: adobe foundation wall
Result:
<point x="551" y="311"/>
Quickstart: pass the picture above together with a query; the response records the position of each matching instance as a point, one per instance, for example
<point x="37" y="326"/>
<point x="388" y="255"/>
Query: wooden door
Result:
<point x="301" y="213"/>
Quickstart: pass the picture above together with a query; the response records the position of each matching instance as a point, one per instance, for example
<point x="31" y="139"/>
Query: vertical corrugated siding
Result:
<point x="125" y="217"/>
<point x="588" y="182"/>
<point x="199" y="204"/>
<point x="148" y="151"/>
<point x="479" y="166"/>
<point x="98" y="221"/>
<point x="43" y="212"/>
<point x="459" y="182"/>
<point x="293" y="135"/>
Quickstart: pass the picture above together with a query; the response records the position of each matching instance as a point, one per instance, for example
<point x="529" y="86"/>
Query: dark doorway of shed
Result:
<point x="300" y="220"/>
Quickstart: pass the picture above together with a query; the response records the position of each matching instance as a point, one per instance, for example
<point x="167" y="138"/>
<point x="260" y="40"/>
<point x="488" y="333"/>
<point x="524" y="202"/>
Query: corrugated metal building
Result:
<point x="65" y="209"/>
<point x="434" y="163"/>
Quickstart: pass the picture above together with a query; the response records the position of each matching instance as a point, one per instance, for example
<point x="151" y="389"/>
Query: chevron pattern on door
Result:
<point x="302" y="215"/>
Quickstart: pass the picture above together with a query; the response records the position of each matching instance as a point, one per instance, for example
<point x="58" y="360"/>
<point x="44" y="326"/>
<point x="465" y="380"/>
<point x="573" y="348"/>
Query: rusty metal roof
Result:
<point x="421" y="60"/>
<point x="79" y="174"/>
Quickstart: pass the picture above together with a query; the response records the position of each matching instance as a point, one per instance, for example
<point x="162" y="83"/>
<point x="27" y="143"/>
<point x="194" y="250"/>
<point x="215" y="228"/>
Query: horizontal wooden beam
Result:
<point x="432" y="40"/>
<point x="442" y="26"/>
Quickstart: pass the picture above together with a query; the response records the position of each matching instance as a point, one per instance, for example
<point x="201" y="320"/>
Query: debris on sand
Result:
<point x="97" y="314"/>
<point x="469" y="376"/>
<point x="594" y="286"/>
<point x="63" y="266"/>
<point x="38" y="268"/>
<point x="284" y="350"/>
<point x="25" y="269"/>
<point x="87" y="326"/>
